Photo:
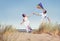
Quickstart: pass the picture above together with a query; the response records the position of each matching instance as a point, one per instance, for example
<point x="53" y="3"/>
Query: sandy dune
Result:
<point x="17" y="36"/>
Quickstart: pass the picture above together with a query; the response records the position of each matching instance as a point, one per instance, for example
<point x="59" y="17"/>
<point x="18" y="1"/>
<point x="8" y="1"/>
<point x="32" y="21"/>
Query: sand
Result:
<point x="20" y="36"/>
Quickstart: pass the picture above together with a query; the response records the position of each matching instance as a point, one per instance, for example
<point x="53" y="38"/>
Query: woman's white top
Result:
<point x="26" y="21"/>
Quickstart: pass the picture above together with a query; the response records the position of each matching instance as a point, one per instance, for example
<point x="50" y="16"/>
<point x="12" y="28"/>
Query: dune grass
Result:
<point x="49" y="28"/>
<point x="5" y="30"/>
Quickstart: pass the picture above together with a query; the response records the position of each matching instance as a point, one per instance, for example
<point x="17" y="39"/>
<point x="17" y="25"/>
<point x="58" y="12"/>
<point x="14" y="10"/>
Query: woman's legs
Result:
<point x="28" y="29"/>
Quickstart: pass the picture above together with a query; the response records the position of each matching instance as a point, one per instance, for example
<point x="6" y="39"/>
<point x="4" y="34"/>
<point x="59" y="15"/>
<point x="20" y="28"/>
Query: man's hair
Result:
<point x="23" y="15"/>
<point x="44" y="11"/>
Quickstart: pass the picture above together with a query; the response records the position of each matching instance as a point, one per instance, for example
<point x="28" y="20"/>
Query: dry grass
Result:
<point x="6" y="30"/>
<point x="49" y="28"/>
<point x="9" y="33"/>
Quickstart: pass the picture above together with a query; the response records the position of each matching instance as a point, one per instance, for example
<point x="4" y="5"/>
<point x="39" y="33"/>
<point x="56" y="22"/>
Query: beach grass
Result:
<point x="49" y="28"/>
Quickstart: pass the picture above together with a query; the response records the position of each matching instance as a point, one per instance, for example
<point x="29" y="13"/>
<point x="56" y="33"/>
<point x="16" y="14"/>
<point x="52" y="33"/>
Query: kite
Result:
<point x="40" y="6"/>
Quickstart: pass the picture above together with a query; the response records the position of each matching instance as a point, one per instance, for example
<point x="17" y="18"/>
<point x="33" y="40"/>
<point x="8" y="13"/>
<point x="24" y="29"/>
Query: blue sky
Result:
<point x="11" y="10"/>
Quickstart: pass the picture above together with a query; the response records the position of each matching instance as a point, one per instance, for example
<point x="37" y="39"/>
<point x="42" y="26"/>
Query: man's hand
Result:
<point x="37" y="14"/>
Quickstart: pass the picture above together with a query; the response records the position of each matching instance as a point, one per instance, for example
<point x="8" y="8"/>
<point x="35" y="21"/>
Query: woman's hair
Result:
<point x="23" y="15"/>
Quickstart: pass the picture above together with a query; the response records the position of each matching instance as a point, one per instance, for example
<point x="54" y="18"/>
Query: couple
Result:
<point x="43" y="15"/>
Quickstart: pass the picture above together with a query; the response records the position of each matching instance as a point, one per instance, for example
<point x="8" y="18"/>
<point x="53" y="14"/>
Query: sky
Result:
<point x="11" y="11"/>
